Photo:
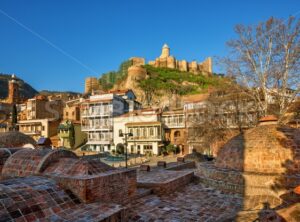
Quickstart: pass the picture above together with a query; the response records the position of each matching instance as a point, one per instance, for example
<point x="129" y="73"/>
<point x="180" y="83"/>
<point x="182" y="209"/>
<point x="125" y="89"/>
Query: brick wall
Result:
<point x="116" y="186"/>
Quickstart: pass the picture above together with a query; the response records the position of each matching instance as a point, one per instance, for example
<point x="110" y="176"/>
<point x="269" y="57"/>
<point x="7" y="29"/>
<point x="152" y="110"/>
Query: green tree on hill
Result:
<point x="109" y="79"/>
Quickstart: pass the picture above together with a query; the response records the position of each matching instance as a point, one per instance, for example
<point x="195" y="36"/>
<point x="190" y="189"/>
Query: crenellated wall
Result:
<point x="165" y="60"/>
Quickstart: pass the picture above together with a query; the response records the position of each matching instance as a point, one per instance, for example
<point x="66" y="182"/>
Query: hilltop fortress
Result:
<point x="137" y="72"/>
<point x="169" y="61"/>
<point x="165" y="60"/>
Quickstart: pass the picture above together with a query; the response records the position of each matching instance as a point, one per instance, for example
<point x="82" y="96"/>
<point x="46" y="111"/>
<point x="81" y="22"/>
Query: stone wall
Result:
<point x="165" y="60"/>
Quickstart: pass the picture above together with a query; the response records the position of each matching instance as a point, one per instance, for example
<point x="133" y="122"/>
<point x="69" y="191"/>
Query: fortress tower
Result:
<point x="91" y="84"/>
<point x="13" y="90"/>
<point x="165" y="52"/>
<point x="165" y="60"/>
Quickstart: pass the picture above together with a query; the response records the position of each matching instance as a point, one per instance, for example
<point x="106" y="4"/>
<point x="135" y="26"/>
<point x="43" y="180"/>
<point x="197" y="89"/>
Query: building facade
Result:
<point x="97" y="119"/>
<point x="70" y="134"/>
<point x="174" y="125"/>
<point x="146" y="129"/>
<point x="40" y="107"/>
<point x="37" y="128"/>
<point x="217" y="112"/>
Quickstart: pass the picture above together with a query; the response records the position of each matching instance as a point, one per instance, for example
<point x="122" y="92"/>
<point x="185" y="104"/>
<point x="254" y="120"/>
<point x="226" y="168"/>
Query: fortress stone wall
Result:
<point x="165" y="60"/>
<point x="168" y="61"/>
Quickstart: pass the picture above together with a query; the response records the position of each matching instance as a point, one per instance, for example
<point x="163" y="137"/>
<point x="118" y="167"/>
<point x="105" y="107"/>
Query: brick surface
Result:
<point x="264" y="149"/>
<point x="38" y="198"/>
<point x="194" y="203"/>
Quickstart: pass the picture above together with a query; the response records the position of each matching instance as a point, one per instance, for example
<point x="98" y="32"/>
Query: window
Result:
<point x="180" y="119"/>
<point x="147" y="147"/>
<point x="151" y="131"/>
<point x="177" y="134"/>
<point x="67" y="113"/>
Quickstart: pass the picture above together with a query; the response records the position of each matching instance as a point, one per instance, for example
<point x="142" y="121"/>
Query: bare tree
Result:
<point x="264" y="59"/>
<point x="227" y="111"/>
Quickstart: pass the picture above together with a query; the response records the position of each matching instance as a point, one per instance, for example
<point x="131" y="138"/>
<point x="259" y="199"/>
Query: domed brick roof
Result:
<point x="264" y="149"/>
<point x="77" y="167"/>
<point x="42" y="199"/>
<point x="15" y="139"/>
<point x="26" y="162"/>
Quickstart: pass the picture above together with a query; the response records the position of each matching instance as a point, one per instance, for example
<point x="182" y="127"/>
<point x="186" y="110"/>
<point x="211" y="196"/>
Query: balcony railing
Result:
<point x="174" y="124"/>
<point x="89" y="114"/>
<point x="30" y="132"/>
<point x="110" y="139"/>
<point x="97" y="127"/>
<point x="136" y="138"/>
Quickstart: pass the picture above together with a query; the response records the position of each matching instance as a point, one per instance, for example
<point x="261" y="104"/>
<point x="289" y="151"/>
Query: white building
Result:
<point x="146" y="128"/>
<point x="97" y="118"/>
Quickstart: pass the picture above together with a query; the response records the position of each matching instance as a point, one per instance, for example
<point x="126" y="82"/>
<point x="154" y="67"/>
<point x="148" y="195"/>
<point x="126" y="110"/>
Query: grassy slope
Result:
<point x="181" y="83"/>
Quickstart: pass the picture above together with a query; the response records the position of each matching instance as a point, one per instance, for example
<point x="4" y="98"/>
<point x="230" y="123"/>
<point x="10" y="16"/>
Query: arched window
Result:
<point x="177" y="134"/>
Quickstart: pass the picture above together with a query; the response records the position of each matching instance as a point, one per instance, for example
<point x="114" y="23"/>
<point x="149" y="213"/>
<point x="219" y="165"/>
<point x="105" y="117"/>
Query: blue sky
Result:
<point x="55" y="44"/>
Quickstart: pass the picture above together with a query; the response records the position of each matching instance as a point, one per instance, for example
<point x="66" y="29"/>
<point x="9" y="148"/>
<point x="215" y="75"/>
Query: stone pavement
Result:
<point x="195" y="202"/>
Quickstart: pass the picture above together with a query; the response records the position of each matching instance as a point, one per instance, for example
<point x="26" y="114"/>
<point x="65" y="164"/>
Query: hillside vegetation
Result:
<point x="109" y="79"/>
<point x="177" y="82"/>
<point x="26" y="91"/>
<point x="161" y="85"/>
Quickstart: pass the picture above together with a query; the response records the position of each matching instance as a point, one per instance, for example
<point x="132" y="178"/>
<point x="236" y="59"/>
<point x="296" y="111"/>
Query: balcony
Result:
<point x="105" y="140"/>
<point x="96" y="127"/>
<point x="174" y="124"/>
<point x="31" y="133"/>
<point x="144" y="138"/>
<point x="96" y="114"/>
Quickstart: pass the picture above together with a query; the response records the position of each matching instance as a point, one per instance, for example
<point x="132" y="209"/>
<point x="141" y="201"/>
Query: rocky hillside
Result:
<point x="162" y="86"/>
<point x="26" y="91"/>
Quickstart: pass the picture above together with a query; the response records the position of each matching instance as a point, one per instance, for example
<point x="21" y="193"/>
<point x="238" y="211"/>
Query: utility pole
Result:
<point x="125" y="135"/>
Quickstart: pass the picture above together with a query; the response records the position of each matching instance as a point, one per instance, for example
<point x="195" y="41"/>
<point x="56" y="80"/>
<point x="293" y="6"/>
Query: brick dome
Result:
<point x="264" y="149"/>
<point x="26" y="162"/>
<point x="15" y="139"/>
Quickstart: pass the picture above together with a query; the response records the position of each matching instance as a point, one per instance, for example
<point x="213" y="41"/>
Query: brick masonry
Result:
<point x="89" y="180"/>
<point x="164" y="181"/>
<point x="40" y="199"/>
<point x="264" y="149"/>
